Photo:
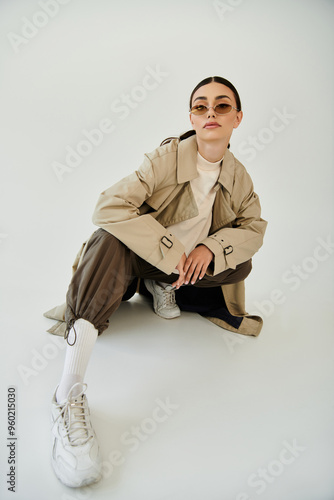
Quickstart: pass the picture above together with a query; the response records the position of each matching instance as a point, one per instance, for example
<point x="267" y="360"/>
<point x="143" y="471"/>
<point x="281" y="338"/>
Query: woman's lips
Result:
<point x="212" y="125"/>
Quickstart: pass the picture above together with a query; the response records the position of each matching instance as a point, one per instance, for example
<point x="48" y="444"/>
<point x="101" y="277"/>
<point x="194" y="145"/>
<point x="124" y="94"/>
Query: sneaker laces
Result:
<point x="168" y="297"/>
<point x="74" y="413"/>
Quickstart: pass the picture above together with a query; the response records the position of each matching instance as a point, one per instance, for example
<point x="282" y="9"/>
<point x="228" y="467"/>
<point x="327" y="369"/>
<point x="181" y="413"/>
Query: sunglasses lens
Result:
<point x="223" y="109"/>
<point x="198" y="110"/>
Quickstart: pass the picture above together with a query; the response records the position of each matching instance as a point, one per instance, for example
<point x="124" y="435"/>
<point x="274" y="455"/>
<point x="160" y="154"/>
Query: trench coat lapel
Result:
<point x="186" y="160"/>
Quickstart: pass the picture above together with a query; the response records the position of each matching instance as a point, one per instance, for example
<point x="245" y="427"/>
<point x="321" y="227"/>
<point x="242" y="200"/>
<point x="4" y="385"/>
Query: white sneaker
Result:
<point x="163" y="299"/>
<point x="75" y="452"/>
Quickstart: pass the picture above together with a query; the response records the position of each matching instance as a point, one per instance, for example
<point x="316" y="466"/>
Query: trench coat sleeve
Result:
<point x="118" y="212"/>
<point x="236" y="244"/>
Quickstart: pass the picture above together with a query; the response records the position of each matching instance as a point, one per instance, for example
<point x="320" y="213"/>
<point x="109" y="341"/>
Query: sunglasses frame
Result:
<point x="214" y="109"/>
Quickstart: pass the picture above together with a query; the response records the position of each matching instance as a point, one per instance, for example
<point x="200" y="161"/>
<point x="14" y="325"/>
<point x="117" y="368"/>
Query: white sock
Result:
<point x="77" y="356"/>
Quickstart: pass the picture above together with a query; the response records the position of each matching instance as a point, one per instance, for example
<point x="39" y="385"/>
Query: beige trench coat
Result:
<point x="139" y="208"/>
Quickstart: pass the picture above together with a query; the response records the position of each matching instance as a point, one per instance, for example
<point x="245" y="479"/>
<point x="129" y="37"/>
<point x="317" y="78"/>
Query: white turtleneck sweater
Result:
<point x="192" y="231"/>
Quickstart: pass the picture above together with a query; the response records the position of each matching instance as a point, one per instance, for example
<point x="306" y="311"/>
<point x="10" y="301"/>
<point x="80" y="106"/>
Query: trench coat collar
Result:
<point x="187" y="164"/>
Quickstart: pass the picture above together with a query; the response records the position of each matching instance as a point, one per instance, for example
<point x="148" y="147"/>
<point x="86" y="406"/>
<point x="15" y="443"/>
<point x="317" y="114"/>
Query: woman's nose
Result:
<point x="211" y="113"/>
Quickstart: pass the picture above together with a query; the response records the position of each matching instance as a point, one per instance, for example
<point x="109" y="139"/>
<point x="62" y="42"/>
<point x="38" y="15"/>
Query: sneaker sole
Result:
<point x="73" y="484"/>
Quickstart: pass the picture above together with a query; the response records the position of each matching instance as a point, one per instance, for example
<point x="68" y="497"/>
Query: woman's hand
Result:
<point x="180" y="268"/>
<point x="194" y="267"/>
<point x="197" y="264"/>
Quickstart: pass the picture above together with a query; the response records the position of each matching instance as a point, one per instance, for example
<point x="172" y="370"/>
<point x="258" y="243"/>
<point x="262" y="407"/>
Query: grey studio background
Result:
<point x="86" y="89"/>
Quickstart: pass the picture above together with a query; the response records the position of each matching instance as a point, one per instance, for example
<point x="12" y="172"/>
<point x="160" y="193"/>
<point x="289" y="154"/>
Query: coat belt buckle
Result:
<point x="230" y="251"/>
<point x="168" y="243"/>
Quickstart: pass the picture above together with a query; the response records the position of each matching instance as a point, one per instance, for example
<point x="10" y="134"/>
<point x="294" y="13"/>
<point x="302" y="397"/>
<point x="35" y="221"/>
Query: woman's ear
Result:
<point x="238" y="119"/>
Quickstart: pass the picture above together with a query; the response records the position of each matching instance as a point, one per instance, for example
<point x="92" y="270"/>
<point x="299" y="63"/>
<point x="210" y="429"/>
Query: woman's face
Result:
<point x="210" y="95"/>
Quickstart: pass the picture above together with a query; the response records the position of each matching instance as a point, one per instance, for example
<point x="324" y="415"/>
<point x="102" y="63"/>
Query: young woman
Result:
<point x="188" y="217"/>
